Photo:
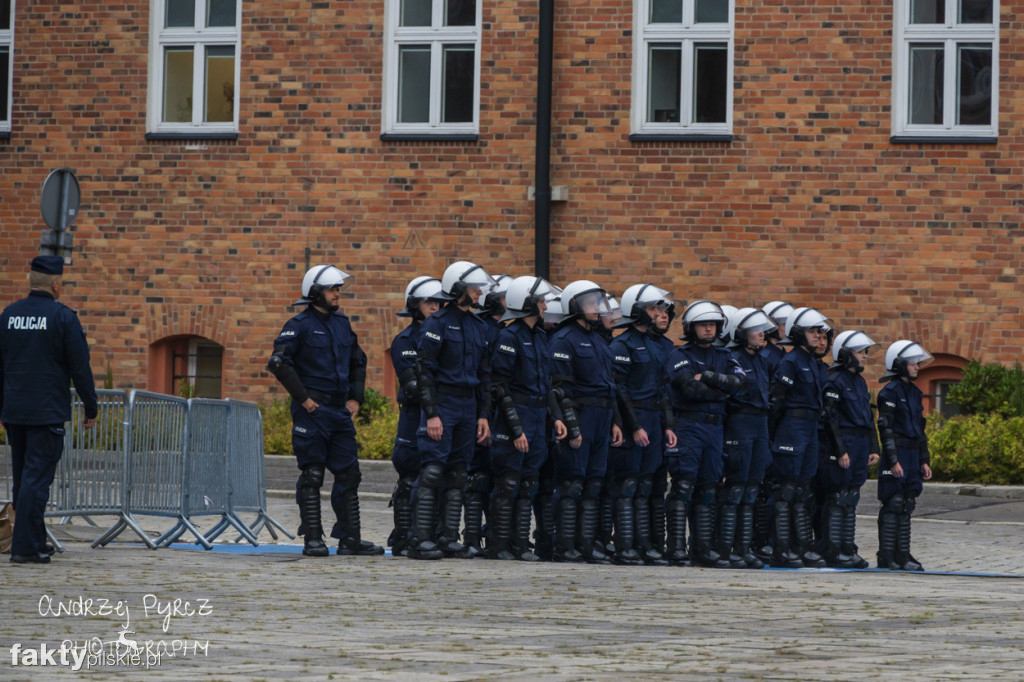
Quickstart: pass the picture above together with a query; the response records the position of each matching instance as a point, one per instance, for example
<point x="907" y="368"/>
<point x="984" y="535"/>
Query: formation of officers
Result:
<point x="575" y="415"/>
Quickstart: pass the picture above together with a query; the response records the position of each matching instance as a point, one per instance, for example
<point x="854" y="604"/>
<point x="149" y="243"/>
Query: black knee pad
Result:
<point x="455" y="477"/>
<point x="644" y="486"/>
<point x="853" y="498"/>
<point x="766" y="489"/>
<point x="750" y="493"/>
<point x="592" y="488"/>
<point x="349" y="477"/>
<point x="894" y="505"/>
<point x="732" y="494"/>
<point x="528" y="487"/>
<point x="909" y="504"/>
<point x="804" y="493"/>
<point x="431" y="475"/>
<point x="404" y="486"/>
<point x="506" y="487"/>
<point x="682" y="489"/>
<point x="626" y="487"/>
<point x="312" y="476"/>
<point x="787" y="491"/>
<point x="837" y="499"/>
<point x="707" y="495"/>
<point x="572" y="489"/>
<point x="479" y="482"/>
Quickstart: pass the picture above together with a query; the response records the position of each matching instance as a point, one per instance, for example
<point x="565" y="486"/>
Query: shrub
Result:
<point x="977" y="448"/>
<point x="277" y="427"/>
<point x="990" y="389"/>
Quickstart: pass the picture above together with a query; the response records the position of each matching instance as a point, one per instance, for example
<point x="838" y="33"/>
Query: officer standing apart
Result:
<point x="905" y="456"/>
<point x="318" y="360"/>
<point x="703" y="377"/>
<point x="42" y="351"/>
<point x="453" y="377"/>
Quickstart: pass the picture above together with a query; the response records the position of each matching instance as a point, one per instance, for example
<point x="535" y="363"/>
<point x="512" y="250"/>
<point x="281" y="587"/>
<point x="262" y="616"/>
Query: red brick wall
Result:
<point x="810" y="202"/>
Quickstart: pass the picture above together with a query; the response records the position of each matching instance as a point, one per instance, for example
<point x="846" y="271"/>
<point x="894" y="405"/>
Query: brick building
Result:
<point x="862" y="157"/>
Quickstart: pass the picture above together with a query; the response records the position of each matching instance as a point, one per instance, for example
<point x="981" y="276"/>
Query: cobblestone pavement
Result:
<point x="274" y="615"/>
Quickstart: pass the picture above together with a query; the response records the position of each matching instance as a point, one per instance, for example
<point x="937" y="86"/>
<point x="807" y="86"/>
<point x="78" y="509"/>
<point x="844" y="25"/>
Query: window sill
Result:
<point x="936" y="139"/>
<point x="682" y="137"/>
<point x="426" y="137"/>
<point x="191" y="136"/>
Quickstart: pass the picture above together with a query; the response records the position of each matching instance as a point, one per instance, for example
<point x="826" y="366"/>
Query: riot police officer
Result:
<point x="774" y="347"/>
<point x="423" y="298"/>
<point x="584" y="390"/>
<point x="850" y="447"/>
<point x="638" y="365"/>
<point x="452" y="376"/>
<point x="793" y="423"/>
<point x="520" y="383"/>
<point x="747" y="448"/>
<point x="905" y="456"/>
<point x="318" y="360"/>
<point x="42" y="351"/>
<point x="703" y="377"/>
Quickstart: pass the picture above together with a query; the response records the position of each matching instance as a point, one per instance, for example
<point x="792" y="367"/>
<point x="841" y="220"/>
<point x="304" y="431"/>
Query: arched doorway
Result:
<point x="185" y="365"/>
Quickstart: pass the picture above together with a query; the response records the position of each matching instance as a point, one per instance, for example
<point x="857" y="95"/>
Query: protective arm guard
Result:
<point x="617" y="413"/>
<point x="886" y="419"/>
<point x="427" y="385"/>
<point x="924" y="456"/>
<point x="776" y="407"/>
<point x="507" y="409"/>
<point x="875" y="447"/>
<point x="410" y="387"/>
<point x="730" y="384"/>
<point x="357" y="375"/>
<point x="625" y="414"/>
<point x="830" y="399"/>
<point x="668" y="417"/>
<point x="566" y="409"/>
<point x="695" y="390"/>
<point x="483" y="393"/>
<point x="287" y="375"/>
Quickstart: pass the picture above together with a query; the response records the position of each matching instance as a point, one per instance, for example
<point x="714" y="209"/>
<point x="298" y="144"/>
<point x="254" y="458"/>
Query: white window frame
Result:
<point x="7" y="40"/>
<point x="686" y="33"/>
<point x="200" y="38"/>
<point x="436" y="35"/>
<point x="949" y="35"/>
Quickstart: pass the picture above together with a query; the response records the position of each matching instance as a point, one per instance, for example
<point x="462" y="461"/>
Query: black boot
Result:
<point x="744" y="533"/>
<point x="832" y="527"/>
<point x="887" y="531"/>
<point x="424" y="520"/>
<point x="783" y="555"/>
<point x="476" y="498"/>
<point x="725" y="535"/>
<point x="704" y="530"/>
<point x="401" y="502"/>
<point x="521" y="530"/>
<point x="586" y="540"/>
<point x="804" y="539"/>
<point x="565" y="525"/>
<point x="352" y="544"/>
<point x="451" y="511"/>
<point x="761" y="543"/>
<point x="675" y="523"/>
<point x="606" y="529"/>
<point x="310" y="480"/>
<point x="500" y="518"/>
<point x="625" y="553"/>
<point x="544" y="534"/>
<point x="904" y="558"/>
<point x="657" y="514"/>
<point x="642" y="519"/>
<point x="849" y="536"/>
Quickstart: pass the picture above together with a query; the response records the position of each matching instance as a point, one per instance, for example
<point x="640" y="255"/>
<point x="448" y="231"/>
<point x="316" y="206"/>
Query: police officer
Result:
<point x="423" y="298"/>
<point x="452" y="375"/>
<point x="583" y="388"/>
<point x="638" y="365"/>
<point x="905" y="456"/>
<point x="850" y="447"/>
<point x="318" y="360"/>
<point x="774" y="348"/>
<point x="544" y="500"/>
<point x="703" y="377"/>
<point x="520" y="363"/>
<point x="747" y="448"/>
<point x="793" y="422"/>
<point x="42" y="351"/>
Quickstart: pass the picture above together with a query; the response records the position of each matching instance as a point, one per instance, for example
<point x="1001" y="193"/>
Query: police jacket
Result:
<point x="720" y="378"/>
<point x="403" y="359"/>
<point x="581" y="365"/>
<point x="773" y="355"/>
<point x="638" y="366"/>
<point x="42" y="351"/>
<point x="520" y="371"/>
<point x="847" y="408"/>
<point x="754" y="398"/>
<point x="797" y="386"/>
<point x="453" y="360"/>
<point x="317" y="355"/>
<point x="901" y="421"/>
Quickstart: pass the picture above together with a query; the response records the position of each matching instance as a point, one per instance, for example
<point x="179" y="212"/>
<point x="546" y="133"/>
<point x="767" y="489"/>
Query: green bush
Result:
<point x="979" y="448"/>
<point x="376" y="425"/>
<point x="990" y="389"/>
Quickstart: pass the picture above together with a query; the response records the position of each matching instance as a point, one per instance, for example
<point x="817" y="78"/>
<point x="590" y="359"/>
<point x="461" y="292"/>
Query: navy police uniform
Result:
<point x="42" y="351"/>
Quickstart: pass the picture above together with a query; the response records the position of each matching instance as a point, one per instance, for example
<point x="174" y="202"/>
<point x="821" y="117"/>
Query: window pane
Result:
<point x="975" y="12"/>
<point x="711" y="12"/>
<point x="666" y="11"/>
<point x="178" y="85"/>
<point x="927" y="11"/>
<point x="414" y="84"/>
<point x="926" y="84"/>
<point x="415" y="13"/>
<point x="974" y="102"/>
<point x="710" y="78"/>
<point x="460" y="13"/>
<point x="220" y="85"/>
<point x="663" y="85"/>
<point x="5" y="85"/>
<point x="5" y="15"/>
<point x="457" y="105"/>
<point x="220" y="13"/>
<point x="181" y="13"/>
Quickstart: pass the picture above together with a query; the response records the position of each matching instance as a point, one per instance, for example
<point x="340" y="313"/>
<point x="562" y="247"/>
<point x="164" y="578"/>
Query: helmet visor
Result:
<point x="858" y="342"/>
<point x="915" y="354"/>
<point x="477" y="277"/>
<point x="756" y="321"/>
<point x="593" y="302"/>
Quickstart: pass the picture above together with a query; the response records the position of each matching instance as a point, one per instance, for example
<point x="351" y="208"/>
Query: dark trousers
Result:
<point x="35" y="452"/>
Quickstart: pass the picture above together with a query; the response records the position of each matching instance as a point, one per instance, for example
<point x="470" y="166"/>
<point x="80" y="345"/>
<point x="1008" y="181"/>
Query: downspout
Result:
<point x="542" y="181"/>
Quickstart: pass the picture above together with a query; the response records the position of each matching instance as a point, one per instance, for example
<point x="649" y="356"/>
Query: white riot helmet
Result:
<point x="462" y="274"/>
<point x="779" y="312"/>
<point x="583" y="296"/>
<point x="723" y="338"/>
<point x="744" y="321"/>
<point x="903" y="353"/>
<point x="524" y="294"/>
<point x="490" y="297"/>
<point x="803" y="319"/>
<point x="423" y="288"/>
<point x="318" y="279"/>
<point x="702" y="311"/>
<point x="846" y="344"/>
<point x="637" y="299"/>
<point x="553" y="315"/>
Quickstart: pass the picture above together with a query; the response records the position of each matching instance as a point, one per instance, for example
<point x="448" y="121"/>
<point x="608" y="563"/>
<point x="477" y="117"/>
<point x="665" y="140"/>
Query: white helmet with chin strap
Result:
<point x="779" y="312"/>
<point x="318" y="279"/>
<point x="423" y="288"/>
<point x="582" y="294"/>
<point x="637" y="299"/>
<point x="903" y="353"/>
<point x="461" y="275"/>
<point x="803" y="319"/>
<point x="723" y="337"/>
<point x="702" y="311"/>
<point x="744" y="321"/>
<point x="524" y="294"/>
<point x="846" y="344"/>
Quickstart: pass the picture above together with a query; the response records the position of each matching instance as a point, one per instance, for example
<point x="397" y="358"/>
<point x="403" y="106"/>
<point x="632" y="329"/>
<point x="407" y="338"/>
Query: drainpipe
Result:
<point x="542" y="180"/>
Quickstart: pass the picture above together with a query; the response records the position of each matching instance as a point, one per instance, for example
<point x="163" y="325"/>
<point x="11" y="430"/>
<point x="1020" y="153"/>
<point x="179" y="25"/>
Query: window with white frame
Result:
<point x="194" y="66"/>
<point x="683" y="67"/>
<point x="432" y="67"/>
<point x="946" y="66"/>
<point x="6" y="62"/>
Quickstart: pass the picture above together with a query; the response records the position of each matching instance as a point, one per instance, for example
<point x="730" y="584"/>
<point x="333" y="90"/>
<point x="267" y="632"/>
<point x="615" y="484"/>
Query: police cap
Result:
<point x="50" y="265"/>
